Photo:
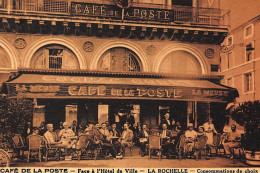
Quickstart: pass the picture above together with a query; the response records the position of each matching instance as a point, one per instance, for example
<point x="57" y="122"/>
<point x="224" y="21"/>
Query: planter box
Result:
<point x="252" y="160"/>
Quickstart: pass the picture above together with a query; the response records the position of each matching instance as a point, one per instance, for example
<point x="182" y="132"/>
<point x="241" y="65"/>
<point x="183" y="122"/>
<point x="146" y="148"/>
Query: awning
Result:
<point x="65" y="86"/>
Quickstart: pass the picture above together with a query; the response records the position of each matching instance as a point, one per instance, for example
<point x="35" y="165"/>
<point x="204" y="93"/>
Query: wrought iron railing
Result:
<point x="181" y="14"/>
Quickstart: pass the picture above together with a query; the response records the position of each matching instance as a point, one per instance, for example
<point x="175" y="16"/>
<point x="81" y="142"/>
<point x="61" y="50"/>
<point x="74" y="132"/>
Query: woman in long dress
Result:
<point x="209" y="129"/>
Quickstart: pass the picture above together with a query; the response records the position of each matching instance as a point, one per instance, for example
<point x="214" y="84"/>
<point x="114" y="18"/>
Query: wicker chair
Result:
<point x="18" y="144"/>
<point x="155" y="144"/>
<point x="34" y="146"/>
<point x="219" y="145"/>
<point x="51" y="150"/>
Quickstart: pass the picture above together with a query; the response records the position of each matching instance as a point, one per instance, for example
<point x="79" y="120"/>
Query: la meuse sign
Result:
<point x="114" y="12"/>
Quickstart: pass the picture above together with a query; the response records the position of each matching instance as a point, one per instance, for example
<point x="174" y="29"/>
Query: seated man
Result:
<point x="190" y="135"/>
<point x="201" y="143"/>
<point x="143" y="138"/>
<point x="115" y="135"/>
<point x="126" y="138"/>
<point x="233" y="140"/>
<point x="166" y="140"/>
<point x="98" y="138"/>
<point x="104" y="131"/>
<point x="35" y="131"/>
<point x="62" y="143"/>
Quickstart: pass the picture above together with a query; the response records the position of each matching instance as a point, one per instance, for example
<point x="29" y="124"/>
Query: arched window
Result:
<point x="120" y="60"/>
<point x="180" y="62"/>
<point x="54" y="57"/>
<point x="4" y="59"/>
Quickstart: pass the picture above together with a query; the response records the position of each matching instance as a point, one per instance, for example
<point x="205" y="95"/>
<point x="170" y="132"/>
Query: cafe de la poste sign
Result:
<point x="121" y="10"/>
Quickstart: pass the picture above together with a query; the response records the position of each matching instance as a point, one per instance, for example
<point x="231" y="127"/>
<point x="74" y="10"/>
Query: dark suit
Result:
<point x="167" y="122"/>
<point x="130" y="119"/>
<point x="166" y="141"/>
<point x="27" y="131"/>
<point x="98" y="138"/>
<point x="143" y="143"/>
<point x="116" y="143"/>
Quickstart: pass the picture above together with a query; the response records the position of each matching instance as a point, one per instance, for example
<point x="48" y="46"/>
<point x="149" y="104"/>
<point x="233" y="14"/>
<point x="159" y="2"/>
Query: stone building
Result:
<point x="240" y="54"/>
<point x="85" y="60"/>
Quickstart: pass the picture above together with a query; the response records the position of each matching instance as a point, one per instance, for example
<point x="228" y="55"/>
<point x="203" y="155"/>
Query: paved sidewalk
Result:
<point x="136" y="161"/>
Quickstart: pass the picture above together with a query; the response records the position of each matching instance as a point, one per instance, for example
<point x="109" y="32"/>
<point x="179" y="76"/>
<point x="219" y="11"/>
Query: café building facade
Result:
<point x="85" y="61"/>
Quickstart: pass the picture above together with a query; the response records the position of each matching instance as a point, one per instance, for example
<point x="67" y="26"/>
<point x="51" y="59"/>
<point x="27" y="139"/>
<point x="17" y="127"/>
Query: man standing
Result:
<point x="143" y="138"/>
<point x="233" y="140"/>
<point x="167" y="120"/>
<point x="129" y="119"/>
<point x="166" y="140"/>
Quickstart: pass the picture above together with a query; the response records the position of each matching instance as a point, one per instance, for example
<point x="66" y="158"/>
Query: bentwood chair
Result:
<point x="34" y="146"/>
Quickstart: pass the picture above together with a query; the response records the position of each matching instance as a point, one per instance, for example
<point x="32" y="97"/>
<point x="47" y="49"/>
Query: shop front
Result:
<point x="98" y="97"/>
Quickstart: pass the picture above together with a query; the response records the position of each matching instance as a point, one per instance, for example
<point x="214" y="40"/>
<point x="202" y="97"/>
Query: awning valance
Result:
<point x="64" y="86"/>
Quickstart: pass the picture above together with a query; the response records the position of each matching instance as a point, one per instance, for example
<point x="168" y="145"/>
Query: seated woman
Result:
<point x="68" y="138"/>
<point x="201" y="143"/>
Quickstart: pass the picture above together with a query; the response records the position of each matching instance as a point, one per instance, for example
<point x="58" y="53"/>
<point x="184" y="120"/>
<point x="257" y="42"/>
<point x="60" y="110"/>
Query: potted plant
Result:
<point x="248" y="115"/>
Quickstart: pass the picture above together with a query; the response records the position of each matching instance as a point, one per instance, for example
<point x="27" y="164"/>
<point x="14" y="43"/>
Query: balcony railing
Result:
<point x="179" y="14"/>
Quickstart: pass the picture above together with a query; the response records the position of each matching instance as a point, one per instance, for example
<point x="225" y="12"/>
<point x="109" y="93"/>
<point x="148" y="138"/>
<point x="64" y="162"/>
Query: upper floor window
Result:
<point x="54" y="57"/>
<point x="182" y="2"/>
<point x="248" y="31"/>
<point x="249" y="52"/>
<point x="248" y="82"/>
<point x="229" y="60"/>
<point x="120" y="60"/>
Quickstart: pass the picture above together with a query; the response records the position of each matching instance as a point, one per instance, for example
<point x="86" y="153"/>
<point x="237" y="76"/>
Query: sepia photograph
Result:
<point x="129" y="86"/>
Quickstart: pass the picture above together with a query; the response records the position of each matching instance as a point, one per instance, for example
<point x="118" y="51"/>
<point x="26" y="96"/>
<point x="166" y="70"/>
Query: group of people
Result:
<point x="116" y="137"/>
